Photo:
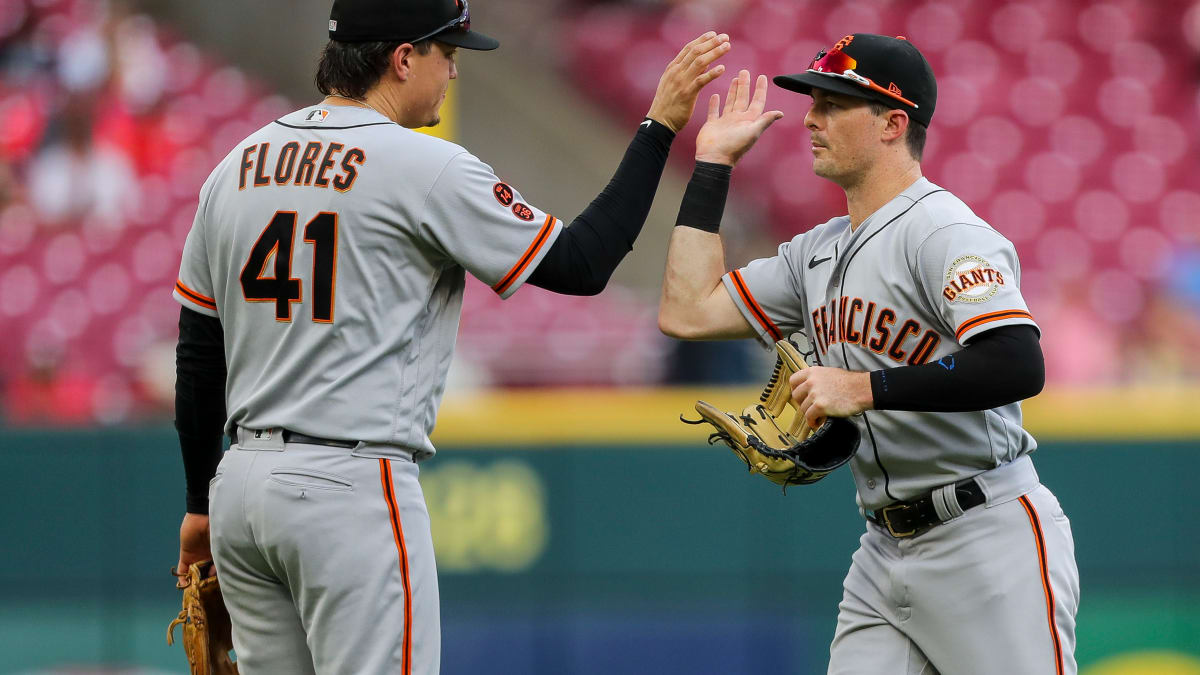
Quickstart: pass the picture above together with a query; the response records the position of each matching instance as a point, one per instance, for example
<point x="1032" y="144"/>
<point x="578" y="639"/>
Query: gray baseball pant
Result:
<point x="325" y="559"/>
<point x="992" y="592"/>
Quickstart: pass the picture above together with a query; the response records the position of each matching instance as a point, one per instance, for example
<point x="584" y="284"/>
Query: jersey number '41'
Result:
<point x="282" y="289"/>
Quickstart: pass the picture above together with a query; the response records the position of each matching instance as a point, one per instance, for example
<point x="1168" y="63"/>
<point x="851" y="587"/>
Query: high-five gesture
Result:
<point x="683" y="79"/>
<point x="731" y="131"/>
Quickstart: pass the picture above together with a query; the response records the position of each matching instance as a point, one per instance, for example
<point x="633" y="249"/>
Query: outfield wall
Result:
<point x="601" y="557"/>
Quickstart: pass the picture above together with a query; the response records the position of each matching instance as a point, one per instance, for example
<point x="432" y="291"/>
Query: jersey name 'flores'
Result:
<point x="911" y="285"/>
<point x="333" y="245"/>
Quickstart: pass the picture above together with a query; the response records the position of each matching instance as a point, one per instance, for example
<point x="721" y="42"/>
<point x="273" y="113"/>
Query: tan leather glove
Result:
<point x="790" y="454"/>
<point x="207" y="631"/>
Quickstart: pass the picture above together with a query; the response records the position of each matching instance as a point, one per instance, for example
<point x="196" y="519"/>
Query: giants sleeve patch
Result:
<point x="971" y="279"/>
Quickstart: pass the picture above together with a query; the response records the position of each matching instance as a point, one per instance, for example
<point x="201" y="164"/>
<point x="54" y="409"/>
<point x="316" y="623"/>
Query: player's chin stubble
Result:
<point x="822" y="161"/>
<point x="823" y="168"/>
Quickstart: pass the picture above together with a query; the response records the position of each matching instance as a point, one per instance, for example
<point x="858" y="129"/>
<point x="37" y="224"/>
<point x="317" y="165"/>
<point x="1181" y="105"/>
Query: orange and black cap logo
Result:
<point x="890" y="70"/>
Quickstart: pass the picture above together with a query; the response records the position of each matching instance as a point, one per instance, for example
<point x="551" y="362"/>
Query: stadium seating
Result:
<point x="86" y="302"/>
<point x="92" y="295"/>
<point x="1070" y="126"/>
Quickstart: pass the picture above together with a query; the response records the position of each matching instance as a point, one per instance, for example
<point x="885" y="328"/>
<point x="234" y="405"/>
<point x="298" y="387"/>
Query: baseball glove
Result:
<point x="791" y="455"/>
<point x="207" y="632"/>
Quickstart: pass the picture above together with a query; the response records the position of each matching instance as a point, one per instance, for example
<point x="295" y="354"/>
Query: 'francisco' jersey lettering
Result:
<point x="334" y="279"/>
<point x="915" y="282"/>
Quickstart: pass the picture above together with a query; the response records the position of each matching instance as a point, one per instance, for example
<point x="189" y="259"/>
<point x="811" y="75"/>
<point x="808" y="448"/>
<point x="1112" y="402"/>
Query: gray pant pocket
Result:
<point x="311" y="478"/>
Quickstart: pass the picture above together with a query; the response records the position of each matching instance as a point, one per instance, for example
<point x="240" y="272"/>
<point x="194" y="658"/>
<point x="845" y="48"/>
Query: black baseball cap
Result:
<point x="447" y="21"/>
<point x="890" y="70"/>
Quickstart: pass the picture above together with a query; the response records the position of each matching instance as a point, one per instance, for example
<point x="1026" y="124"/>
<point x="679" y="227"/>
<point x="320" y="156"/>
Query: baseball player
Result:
<point x="912" y="306"/>
<point x="321" y="286"/>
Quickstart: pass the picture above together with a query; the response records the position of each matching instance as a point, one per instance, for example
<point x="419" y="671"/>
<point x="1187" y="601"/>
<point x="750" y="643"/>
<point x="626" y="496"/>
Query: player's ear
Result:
<point x="401" y="62"/>
<point x="895" y="123"/>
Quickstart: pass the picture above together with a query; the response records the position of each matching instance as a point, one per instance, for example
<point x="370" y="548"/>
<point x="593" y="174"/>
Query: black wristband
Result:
<point x="704" y="200"/>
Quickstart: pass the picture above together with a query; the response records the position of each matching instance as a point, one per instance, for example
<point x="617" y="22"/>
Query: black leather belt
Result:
<point x="908" y="519"/>
<point x="296" y="437"/>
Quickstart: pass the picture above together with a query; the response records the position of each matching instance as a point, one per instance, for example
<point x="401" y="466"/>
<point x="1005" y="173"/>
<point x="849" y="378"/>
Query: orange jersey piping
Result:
<point x="1040" y="542"/>
<point x="753" y="306"/>
<point x="988" y="318"/>
<point x="530" y="253"/>
<point x="202" y="300"/>
<point x="389" y="494"/>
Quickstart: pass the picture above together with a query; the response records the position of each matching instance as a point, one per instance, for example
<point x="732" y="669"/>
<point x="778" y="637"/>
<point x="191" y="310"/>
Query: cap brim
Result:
<point x="805" y="82"/>
<point x="467" y="40"/>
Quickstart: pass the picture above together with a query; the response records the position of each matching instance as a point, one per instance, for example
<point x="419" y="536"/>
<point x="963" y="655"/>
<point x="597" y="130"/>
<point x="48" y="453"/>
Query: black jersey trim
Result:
<point x="352" y="126"/>
<point x="887" y="479"/>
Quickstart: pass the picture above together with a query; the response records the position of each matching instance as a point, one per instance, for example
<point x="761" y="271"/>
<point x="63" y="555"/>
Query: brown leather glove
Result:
<point x="207" y="631"/>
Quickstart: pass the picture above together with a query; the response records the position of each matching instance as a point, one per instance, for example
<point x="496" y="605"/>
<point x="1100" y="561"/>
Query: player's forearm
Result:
<point x="584" y="256"/>
<point x="1001" y="366"/>
<point x="695" y="255"/>
<point x="695" y="264"/>
<point x="199" y="402"/>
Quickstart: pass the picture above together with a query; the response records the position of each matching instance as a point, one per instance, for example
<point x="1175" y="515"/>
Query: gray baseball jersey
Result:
<point x="992" y="590"/>
<point x="332" y="244"/>
<point x="912" y="284"/>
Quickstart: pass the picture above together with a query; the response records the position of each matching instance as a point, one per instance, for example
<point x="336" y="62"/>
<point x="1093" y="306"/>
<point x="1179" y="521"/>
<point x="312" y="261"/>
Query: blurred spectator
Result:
<point x="1079" y="347"/>
<point x="156" y="375"/>
<point x="46" y="393"/>
<point x="1164" y="348"/>
<point x="25" y="53"/>
<point x="141" y="66"/>
<point x="9" y="189"/>
<point x="1166" y="345"/>
<point x="83" y="63"/>
<point x="77" y="179"/>
<point x="1185" y="277"/>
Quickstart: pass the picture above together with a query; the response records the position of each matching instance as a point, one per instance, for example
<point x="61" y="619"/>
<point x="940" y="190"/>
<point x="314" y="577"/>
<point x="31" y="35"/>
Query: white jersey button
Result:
<point x="871" y="483"/>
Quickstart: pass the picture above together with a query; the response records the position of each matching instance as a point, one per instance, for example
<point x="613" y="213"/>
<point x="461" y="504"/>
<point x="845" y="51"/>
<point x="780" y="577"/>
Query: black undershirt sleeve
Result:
<point x="199" y="402"/>
<point x="998" y="367"/>
<point x="584" y="256"/>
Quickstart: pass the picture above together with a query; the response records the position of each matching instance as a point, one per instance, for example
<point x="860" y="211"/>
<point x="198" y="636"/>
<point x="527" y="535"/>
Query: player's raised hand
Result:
<point x="730" y="132"/>
<point x="684" y="77"/>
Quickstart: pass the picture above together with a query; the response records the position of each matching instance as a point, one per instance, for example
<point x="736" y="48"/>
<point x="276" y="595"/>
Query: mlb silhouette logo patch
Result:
<point x="316" y="116"/>
<point x="332" y="25"/>
<point x="262" y="434"/>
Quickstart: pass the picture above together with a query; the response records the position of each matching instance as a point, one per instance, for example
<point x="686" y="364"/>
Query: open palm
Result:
<point x="730" y="132"/>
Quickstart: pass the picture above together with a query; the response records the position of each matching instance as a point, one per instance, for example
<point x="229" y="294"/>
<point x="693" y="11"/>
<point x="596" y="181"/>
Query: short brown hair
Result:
<point x="351" y="68"/>
<point x="914" y="138"/>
